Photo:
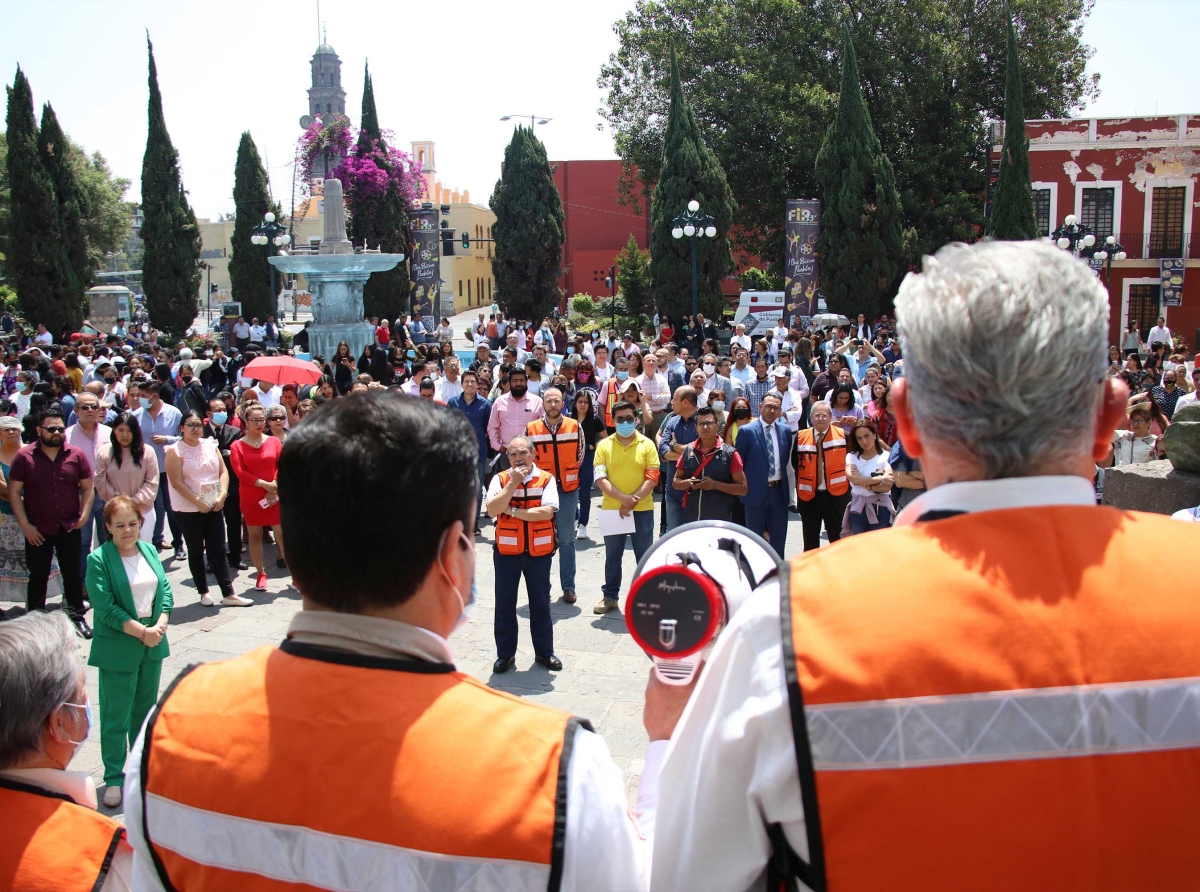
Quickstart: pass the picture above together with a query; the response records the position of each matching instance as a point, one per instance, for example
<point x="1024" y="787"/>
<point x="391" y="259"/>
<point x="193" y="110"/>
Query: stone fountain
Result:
<point x="336" y="276"/>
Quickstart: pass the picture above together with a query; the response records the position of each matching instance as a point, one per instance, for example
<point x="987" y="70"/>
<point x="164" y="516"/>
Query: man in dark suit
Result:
<point x="216" y="427"/>
<point x="766" y="447"/>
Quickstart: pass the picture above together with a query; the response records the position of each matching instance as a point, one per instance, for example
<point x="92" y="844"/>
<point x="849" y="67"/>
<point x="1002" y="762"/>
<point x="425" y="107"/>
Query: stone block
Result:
<point x="1182" y="439"/>
<point x="1155" y="486"/>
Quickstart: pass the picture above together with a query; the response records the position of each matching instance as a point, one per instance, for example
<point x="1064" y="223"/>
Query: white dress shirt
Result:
<point x="730" y="768"/>
<point x="605" y="849"/>
<point x="549" y="491"/>
<point x="1160" y="334"/>
<point x="270" y="398"/>
<point x="1183" y="401"/>
<point x="656" y="389"/>
<point x="445" y="389"/>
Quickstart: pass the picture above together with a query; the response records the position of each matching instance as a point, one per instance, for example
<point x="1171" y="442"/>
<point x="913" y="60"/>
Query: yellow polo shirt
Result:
<point x="626" y="467"/>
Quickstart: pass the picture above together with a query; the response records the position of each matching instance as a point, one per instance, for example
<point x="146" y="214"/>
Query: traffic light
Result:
<point x="466" y="240"/>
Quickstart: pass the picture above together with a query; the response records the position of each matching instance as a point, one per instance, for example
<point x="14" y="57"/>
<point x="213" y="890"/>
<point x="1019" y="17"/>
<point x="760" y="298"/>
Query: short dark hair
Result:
<point x="518" y="370"/>
<point x="706" y="411"/>
<point x="620" y="405"/>
<point x="359" y="451"/>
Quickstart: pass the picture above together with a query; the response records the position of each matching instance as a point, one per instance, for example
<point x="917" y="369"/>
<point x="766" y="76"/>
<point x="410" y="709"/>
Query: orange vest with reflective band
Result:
<point x="833" y="454"/>
<point x="612" y="400"/>
<point x="1006" y="712"/>
<point x="557" y="451"/>
<point x="338" y="770"/>
<point x="52" y="843"/>
<point x="515" y="536"/>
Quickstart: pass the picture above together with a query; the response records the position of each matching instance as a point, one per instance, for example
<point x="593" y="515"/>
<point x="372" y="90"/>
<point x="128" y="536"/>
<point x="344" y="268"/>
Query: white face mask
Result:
<point x="709" y="369"/>
<point x="468" y="605"/>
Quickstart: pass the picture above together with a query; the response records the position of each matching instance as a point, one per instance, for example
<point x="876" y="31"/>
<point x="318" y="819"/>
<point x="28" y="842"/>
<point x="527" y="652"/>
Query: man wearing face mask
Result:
<point x="392" y="751"/>
<point x="63" y="842"/>
<point x="610" y="395"/>
<point x="160" y="428"/>
<point x="217" y="427"/>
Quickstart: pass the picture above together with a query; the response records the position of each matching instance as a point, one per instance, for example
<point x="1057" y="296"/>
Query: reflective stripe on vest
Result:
<point x="833" y="455"/>
<point x="557" y="451"/>
<point x="53" y="842"/>
<point x="353" y="772"/>
<point x="1039" y="709"/>
<point x="535" y="537"/>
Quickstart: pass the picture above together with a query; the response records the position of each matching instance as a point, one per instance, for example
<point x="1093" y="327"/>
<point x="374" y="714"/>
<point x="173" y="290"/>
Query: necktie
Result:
<point x="769" y="430"/>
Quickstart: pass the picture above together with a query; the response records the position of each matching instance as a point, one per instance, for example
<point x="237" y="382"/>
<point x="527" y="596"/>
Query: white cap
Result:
<point x="780" y="372"/>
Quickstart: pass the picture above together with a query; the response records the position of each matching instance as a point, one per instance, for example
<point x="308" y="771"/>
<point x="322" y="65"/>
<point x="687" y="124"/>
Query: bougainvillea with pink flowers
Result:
<point x="370" y="170"/>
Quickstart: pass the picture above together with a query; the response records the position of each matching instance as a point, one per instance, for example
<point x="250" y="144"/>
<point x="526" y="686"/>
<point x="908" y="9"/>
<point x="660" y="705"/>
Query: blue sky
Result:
<point x="225" y="67"/>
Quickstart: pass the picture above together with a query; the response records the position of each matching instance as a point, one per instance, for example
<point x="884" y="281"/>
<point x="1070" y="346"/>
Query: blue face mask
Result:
<point x="144" y="402"/>
<point x="626" y="428"/>
<point x="621" y="376"/>
<point x="220" y="417"/>
<point x="570" y="350"/>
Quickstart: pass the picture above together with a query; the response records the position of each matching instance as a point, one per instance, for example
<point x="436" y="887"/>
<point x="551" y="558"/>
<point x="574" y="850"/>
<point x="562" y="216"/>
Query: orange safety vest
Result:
<point x="1005" y="712"/>
<point x="53" y="844"/>
<point x="339" y="770"/>
<point x="833" y="453"/>
<point x="535" y="537"/>
<point x="558" y="449"/>
<point x="611" y="401"/>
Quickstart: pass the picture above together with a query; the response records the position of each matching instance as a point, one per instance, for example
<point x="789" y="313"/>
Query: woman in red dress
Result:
<point x="255" y="460"/>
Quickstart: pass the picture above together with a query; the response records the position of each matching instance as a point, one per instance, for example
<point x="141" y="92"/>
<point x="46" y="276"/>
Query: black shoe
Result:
<point x="553" y="663"/>
<point x="239" y="564"/>
<point x="503" y="665"/>
<point x="81" y="626"/>
<point x="181" y="553"/>
<point x="281" y="563"/>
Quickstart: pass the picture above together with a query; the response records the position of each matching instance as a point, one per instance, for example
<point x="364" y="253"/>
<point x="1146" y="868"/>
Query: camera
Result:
<point x="688" y="586"/>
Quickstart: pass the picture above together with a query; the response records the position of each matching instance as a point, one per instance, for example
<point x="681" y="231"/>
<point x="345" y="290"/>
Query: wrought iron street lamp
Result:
<point x="1108" y="252"/>
<point x="534" y="120"/>
<point x="694" y="225"/>
<point x="1073" y="236"/>
<point x="268" y="232"/>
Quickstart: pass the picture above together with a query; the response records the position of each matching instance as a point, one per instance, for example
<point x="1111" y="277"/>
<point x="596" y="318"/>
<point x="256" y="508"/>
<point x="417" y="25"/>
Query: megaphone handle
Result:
<point x="676" y="672"/>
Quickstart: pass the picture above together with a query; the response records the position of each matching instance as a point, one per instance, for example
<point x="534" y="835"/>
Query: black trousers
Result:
<point x="826" y="509"/>
<point x="232" y="513"/>
<point x="206" y="532"/>
<point x="67" y="545"/>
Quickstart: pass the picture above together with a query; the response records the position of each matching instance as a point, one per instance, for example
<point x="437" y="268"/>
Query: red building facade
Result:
<point x="1134" y="178"/>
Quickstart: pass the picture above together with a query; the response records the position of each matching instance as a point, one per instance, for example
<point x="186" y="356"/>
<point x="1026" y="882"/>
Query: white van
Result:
<point x="760" y="311"/>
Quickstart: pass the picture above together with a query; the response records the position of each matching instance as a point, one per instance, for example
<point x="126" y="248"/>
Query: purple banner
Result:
<point x="802" y="269"/>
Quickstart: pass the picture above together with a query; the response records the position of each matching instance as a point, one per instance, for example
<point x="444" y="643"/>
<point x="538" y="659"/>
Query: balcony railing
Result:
<point x="1153" y="245"/>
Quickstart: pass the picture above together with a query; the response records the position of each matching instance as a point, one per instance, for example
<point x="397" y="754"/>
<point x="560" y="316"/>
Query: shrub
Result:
<point x="583" y="305"/>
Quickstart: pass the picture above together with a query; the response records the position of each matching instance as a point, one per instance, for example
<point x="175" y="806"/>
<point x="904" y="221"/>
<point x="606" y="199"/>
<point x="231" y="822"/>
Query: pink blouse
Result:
<point x="139" y="482"/>
<point x="201" y="472"/>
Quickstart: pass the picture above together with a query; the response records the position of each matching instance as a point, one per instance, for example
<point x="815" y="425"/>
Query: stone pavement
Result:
<point x="603" y="677"/>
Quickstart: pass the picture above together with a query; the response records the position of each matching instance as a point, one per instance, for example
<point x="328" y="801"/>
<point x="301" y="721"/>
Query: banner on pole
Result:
<point x="425" y="266"/>
<point x="802" y="269"/>
<point x="1172" y="271"/>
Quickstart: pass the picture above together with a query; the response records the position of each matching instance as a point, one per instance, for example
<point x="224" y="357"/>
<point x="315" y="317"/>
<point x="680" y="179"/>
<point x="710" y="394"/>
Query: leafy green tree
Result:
<point x="689" y="170"/>
<point x="755" y="279"/>
<point x="528" y="231"/>
<point x="55" y="150"/>
<point x="861" y="245"/>
<point x="763" y="86"/>
<point x="381" y="218"/>
<point x="249" y="272"/>
<point x="634" y="278"/>
<point x="37" y="264"/>
<point x="1012" y="215"/>
<point x="5" y="201"/>
<point x="171" y="262"/>
<point x="106" y="215"/>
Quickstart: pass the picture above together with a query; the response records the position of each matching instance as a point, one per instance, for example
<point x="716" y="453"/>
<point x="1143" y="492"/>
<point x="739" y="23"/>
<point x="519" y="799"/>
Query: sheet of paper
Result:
<point x="613" y="524"/>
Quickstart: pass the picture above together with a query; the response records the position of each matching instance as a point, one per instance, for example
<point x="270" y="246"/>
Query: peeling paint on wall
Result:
<point x="1159" y="165"/>
<point x="1152" y="136"/>
<point x="1072" y="170"/>
<point x="1096" y="171"/>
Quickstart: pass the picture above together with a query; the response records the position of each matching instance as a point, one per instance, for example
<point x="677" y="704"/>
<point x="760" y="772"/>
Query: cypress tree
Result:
<point x="55" y="150"/>
<point x="37" y="262"/>
<point x="249" y="272"/>
<point x="382" y="221"/>
<point x="528" y="230"/>
<point x="170" y="263"/>
<point x="1012" y="217"/>
<point x="633" y="273"/>
<point x="690" y="170"/>
<point x="861" y="244"/>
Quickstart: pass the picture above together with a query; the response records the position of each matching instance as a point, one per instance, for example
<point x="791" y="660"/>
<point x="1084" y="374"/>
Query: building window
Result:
<point x="328" y="107"/>
<point x="489" y="291"/>
<point x="1143" y="307"/>
<point x="1166" y="221"/>
<point x="460" y="288"/>
<point x="468" y="292"/>
<point x="1096" y="212"/>
<point x="1041" y="210"/>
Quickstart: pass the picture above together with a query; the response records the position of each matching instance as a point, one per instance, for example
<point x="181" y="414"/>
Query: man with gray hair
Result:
<point x="989" y="684"/>
<point x="56" y="838"/>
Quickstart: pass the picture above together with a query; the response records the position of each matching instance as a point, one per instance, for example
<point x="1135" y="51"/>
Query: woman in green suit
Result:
<point x="132" y="602"/>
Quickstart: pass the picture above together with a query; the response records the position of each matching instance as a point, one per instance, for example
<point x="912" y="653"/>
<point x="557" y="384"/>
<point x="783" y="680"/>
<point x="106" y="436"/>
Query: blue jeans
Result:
<point x="162" y="511"/>
<point x="614" y="548"/>
<point x="564" y="527"/>
<point x="509" y="569"/>
<point x="587" y="477"/>
<point x="673" y="500"/>
<point x="85" y="547"/>
<point x="859" y="523"/>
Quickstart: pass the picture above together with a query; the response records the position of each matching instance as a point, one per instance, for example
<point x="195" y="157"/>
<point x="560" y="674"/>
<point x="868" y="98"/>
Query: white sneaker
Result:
<point x="236" y="601"/>
<point x="580" y="531"/>
<point x="112" y="796"/>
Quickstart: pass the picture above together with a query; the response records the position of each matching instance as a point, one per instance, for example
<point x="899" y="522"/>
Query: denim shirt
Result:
<point x="166" y="425"/>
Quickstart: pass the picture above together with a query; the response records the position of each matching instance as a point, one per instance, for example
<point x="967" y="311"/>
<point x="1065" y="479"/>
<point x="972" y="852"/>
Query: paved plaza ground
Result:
<point x="603" y="677"/>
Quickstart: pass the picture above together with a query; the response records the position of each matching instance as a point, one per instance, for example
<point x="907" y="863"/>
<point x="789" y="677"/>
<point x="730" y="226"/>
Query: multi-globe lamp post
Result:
<point x="1073" y="236"/>
<point x="1108" y="252"/>
<point x="694" y="225"/>
<point x="268" y="232"/>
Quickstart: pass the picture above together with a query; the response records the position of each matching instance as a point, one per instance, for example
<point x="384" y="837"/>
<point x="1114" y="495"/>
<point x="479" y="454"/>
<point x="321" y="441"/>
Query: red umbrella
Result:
<point x="282" y="370"/>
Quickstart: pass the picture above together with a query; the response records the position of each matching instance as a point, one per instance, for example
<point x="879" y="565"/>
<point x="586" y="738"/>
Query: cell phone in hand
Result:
<point x="264" y="503"/>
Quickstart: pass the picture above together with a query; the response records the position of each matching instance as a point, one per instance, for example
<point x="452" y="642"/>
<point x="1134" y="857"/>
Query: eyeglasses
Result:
<point x="194" y="426"/>
<point x="706" y="424"/>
